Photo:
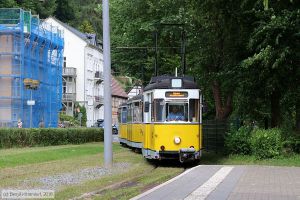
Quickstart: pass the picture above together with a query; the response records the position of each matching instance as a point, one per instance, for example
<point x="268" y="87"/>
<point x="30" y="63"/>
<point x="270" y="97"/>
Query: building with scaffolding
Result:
<point x="31" y="58"/>
<point x="82" y="72"/>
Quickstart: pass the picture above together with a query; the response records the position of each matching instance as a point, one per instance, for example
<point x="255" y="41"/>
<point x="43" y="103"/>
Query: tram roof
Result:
<point x="164" y="82"/>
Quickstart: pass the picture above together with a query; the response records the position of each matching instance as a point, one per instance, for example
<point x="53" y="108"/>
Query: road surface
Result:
<point x="217" y="182"/>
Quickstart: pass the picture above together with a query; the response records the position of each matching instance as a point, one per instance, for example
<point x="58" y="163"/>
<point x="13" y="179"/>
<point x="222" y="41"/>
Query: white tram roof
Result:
<point x="165" y="82"/>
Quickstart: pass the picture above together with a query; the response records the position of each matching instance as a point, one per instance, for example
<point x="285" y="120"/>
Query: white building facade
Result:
<point x="84" y="57"/>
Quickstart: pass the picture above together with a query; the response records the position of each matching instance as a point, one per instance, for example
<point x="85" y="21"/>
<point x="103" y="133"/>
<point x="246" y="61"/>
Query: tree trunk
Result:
<point x="298" y="116"/>
<point x="222" y="111"/>
<point x="275" y="109"/>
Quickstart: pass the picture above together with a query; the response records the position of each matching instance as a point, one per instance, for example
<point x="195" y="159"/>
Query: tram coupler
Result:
<point x="186" y="154"/>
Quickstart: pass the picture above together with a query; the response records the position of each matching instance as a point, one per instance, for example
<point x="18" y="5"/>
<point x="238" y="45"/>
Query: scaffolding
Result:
<point x="31" y="58"/>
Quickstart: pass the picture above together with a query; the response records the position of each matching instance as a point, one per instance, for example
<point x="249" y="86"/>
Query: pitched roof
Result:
<point x="90" y="38"/>
<point x="117" y="90"/>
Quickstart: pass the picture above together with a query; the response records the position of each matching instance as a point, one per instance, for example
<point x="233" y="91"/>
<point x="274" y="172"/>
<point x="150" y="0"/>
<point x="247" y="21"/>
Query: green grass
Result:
<point x="17" y="157"/>
<point x="221" y="159"/>
<point x="19" y="164"/>
<point x="141" y="184"/>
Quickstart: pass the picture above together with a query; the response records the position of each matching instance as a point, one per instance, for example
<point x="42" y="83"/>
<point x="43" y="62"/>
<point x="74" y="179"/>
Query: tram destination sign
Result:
<point x="176" y="94"/>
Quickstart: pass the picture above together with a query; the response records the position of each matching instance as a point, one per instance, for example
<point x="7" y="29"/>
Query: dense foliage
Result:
<point x="25" y="137"/>
<point x="68" y="120"/>
<point x="258" y="142"/>
<point x="80" y="109"/>
<point x="77" y="13"/>
<point x="238" y="141"/>
<point x="244" y="54"/>
<point x="266" y="143"/>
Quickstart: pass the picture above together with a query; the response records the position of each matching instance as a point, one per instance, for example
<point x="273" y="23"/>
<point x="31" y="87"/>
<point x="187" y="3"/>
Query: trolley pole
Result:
<point x="107" y="87"/>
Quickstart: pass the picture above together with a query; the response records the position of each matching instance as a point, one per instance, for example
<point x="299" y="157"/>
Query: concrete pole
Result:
<point x="107" y="87"/>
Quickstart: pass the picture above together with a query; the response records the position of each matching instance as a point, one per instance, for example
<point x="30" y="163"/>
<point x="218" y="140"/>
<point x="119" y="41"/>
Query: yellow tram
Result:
<point x="165" y="121"/>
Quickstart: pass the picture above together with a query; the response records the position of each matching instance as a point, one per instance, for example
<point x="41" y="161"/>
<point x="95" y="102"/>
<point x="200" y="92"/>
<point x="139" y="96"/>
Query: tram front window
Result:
<point x="177" y="112"/>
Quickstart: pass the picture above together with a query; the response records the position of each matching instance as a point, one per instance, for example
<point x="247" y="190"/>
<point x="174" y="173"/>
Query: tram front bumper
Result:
<point x="183" y="155"/>
<point x="188" y="154"/>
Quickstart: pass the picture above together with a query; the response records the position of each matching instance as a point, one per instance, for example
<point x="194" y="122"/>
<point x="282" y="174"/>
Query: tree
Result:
<point x="28" y="5"/>
<point x="86" y="27"/>
<point x="219" y="33"/>
<point x="271" y="72"/>
<point x="217" y="37"/>
<point x="8" y="4"/>
<point x="80" y="109"/>
<point x="46" y="8"/>
<point x="65" y="11"/>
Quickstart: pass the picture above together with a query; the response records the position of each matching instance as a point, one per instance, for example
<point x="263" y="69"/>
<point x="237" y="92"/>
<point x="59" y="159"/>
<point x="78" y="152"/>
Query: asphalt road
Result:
<point x="217" y="182"/>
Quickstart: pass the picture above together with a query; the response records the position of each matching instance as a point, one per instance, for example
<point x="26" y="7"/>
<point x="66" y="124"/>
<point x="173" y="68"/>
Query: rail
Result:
<point x="69" y="97"/>
<point x="69" y="71"/>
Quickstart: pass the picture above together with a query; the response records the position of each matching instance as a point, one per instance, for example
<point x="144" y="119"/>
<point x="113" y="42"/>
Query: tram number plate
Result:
<point x="177" y="94"/>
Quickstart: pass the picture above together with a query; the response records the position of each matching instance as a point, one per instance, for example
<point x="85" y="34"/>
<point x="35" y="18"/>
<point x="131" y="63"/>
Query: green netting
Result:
<point x="27" y="20"/>
<point x="9" y="16"/>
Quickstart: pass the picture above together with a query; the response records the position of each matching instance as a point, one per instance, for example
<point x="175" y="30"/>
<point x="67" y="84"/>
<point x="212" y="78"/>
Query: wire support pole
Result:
<point x="108" y="157"/>
<point x="156" y="53"/>
<point x="146" y="48"/>
<point x="183" y="57"/>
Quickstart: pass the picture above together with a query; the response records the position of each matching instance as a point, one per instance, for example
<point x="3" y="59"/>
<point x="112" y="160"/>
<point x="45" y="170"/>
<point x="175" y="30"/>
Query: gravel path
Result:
<point x="56" y="181"/>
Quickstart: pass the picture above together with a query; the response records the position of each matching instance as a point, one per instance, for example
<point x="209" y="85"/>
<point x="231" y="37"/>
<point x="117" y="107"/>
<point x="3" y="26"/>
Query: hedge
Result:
<point x="27" y="137"/>
<point x="258" y="142"/>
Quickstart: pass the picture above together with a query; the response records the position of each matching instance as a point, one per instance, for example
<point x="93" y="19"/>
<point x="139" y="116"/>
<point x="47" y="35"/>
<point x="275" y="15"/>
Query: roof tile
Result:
<point x="117" y="90"/>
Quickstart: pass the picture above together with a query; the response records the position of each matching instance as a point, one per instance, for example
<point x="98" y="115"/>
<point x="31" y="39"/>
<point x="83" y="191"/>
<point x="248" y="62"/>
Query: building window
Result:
<point x="65" y="62"/>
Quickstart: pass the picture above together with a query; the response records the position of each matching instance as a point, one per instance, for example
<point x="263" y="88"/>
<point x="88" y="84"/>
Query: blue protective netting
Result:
<point x="29" y="49"/>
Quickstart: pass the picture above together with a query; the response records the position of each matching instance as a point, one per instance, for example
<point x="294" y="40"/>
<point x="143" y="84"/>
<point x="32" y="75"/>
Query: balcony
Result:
<point x="68" y="97"/>
<point x="99" y="99"/>
<point x="99" y="76"/>
<point x="69" y="71"/>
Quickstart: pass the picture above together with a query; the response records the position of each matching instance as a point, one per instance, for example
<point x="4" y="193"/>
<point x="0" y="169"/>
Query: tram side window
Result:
<point x="194" y="110"/>
<point x="120" y="115"/>
<point x="137" y="112"/>
<point x="124" y="115"/>
<point x="129" y="113"/>
<point x="158" y="114"/>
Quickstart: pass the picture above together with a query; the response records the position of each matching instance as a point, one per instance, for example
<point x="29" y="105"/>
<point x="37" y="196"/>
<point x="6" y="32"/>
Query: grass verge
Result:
<point x="18" y="157"/>
<point x="19" y="165"/>
<point x="21" y="168"/>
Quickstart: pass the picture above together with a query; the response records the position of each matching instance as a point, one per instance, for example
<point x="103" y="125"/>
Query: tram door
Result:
<point x="147" y="124"/>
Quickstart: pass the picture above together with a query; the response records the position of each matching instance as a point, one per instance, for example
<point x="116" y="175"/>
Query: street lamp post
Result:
<point x="107" y="87"/>
<point x="31" y="85"/>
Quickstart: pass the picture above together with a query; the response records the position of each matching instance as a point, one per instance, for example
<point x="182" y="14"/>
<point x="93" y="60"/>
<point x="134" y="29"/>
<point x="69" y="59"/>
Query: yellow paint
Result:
<point x="153" y="136"/>
<point x="137" y="133"/>
<point x="123" y="131"/>
<point x="157" y="135"/>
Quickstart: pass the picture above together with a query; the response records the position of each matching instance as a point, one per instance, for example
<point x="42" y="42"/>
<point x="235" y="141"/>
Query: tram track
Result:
<point x="129" y="182"/>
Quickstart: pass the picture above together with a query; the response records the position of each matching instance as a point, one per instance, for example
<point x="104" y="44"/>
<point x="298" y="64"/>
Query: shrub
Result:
<point x="68" y="120"/>
<point x="15" y="137"/>
<point x="292" y="144"/>
<point x="238" y="142"/>
<point x="266" y="143"/>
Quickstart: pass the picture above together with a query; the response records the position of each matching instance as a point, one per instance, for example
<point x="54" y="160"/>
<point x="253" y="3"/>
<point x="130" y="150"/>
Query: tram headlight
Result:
<point x="177" y="140"/>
